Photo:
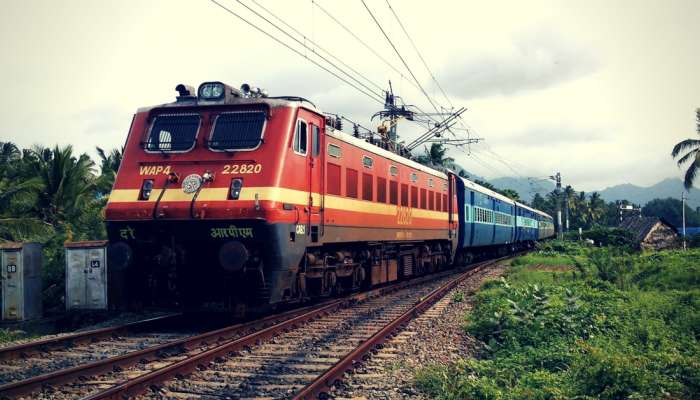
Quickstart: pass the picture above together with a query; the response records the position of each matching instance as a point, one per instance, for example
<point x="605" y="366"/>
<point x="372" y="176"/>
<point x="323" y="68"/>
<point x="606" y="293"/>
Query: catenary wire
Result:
<point x="368" y="47"/>
<point x="316" y="45"/>
<point x="427" y="96"/>
<point x="371" y="96"/>
<point x="403" y="28"/>
<point x="307" y="47"/>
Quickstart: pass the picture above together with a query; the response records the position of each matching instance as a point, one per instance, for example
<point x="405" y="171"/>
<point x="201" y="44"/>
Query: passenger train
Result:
<point x="229" y="199"/>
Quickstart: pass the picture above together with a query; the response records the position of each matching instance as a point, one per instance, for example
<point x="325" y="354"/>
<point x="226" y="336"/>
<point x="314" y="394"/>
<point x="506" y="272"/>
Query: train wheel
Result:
<point x="331" y="283"/>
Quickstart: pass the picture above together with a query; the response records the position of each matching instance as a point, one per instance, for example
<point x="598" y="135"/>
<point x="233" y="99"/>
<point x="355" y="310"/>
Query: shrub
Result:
<point x="628" y="329"/>
<point x="604" y="236"/>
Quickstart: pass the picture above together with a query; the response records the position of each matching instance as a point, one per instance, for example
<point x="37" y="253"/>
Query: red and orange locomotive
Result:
<point x="228" y="198"/>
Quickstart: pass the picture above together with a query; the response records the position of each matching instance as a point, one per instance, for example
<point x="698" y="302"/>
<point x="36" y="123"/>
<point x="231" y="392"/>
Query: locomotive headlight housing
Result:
<point x="211" y="91"/>
<point x="236" y="186"/>
<point x="146" y="189"/>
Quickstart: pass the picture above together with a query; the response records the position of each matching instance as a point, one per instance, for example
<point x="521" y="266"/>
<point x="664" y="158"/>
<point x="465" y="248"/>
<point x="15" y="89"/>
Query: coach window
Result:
<point x="300" y="138"/>
<point x="394" y="170"/>
<point x="316" y="140"/>
<point x="414" y="177"/>
<point x="367" y="161"/>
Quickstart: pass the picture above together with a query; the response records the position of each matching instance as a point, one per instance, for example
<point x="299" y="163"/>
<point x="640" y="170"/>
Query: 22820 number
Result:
<point x="242" y="169"/>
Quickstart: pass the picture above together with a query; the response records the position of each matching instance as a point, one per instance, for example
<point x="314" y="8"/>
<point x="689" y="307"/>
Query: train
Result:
<point x="231" y="199"/>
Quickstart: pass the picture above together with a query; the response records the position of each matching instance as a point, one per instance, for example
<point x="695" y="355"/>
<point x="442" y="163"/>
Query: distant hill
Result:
<point x="670" y="187"/>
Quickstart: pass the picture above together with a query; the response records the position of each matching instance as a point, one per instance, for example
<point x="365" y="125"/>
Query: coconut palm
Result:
<point x="596" y="208"/>
<point x="693" y="154"/>
<point x="108" y="169"/>
<point x="68" y="182"/>
<point x="436" y="156"/>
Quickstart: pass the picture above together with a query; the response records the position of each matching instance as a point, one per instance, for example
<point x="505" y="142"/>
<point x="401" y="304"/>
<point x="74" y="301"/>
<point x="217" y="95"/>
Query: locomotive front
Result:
<point x="197" y="218"/>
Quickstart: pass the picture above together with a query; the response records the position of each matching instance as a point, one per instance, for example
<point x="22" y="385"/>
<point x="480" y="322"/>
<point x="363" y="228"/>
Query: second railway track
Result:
<point x="298" y="353"/>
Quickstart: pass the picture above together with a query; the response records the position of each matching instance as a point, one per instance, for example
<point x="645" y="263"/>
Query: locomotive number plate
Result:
<point x="242" y="169"/>
<point x="154" y="169"/>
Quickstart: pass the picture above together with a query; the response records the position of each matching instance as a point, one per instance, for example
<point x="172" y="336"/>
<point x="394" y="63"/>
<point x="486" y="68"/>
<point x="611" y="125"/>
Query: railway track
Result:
<point x="38" y="357"/>
<point x="300" y="352"/>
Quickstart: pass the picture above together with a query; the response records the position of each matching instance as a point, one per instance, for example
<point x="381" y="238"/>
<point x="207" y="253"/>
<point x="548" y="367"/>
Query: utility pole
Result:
<point x="557" y="178"/>
<point x="683" y="198"/>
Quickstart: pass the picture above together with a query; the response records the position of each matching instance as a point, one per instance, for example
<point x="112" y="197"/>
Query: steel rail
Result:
<point x="221" y="342"/>
<point x="31" y="384"/>
<point x="39" y="346"/>
<point x="324" y="382"/>
<point x="138" y="385"/>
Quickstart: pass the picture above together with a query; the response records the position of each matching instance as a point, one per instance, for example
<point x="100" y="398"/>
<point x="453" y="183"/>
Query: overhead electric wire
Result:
<point x="317" y="45"/>
<point x="483" y="162"/>
<point x="368" y="47"/>
<point x="419" y="54"/>
<point x="400" y="57"/>
<point x="371" y="96"/>
<point x="381" y="95"/>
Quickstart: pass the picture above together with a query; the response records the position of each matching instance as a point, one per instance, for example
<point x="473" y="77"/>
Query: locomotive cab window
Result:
<point x="173" y="133"/>
<point x="241" y="130"/>
<point x="300" y="138"/>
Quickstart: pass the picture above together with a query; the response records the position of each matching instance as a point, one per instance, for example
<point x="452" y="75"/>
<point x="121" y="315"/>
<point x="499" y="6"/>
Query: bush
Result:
<point x="627" y="329"/>
<point x="604" y="236"/>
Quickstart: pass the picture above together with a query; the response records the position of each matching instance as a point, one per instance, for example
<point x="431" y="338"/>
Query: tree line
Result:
<point x="53" y="195"/>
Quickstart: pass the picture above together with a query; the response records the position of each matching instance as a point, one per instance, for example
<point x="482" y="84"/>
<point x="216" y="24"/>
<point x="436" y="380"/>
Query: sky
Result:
<point x="597" y="90"/>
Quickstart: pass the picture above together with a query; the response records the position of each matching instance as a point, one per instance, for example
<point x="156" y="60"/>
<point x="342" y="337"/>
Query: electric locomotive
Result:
<point x="230" y="199"/>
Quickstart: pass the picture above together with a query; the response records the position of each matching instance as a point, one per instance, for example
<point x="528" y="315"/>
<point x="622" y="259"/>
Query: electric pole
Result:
<point x="683" y="206"/>
<point x="557" y="178"/>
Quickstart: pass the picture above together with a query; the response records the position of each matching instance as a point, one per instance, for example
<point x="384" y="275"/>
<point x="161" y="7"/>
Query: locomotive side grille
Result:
<point x="173" y="132"/>
<point x="238" y="130"/>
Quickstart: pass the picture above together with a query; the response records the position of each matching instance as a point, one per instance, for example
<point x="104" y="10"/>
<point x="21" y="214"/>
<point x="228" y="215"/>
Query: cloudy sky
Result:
<point x="599" y="90"/>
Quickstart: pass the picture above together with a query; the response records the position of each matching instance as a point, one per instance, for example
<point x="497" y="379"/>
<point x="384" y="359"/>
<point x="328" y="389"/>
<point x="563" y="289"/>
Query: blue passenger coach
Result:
<point x="492" y="223"/>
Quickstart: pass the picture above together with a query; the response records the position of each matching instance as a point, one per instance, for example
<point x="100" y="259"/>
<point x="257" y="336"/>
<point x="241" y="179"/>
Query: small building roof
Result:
<point x="641" y="226"/>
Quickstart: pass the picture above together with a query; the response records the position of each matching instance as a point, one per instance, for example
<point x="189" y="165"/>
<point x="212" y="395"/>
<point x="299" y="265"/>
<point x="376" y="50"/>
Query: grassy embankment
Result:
<point x="570" y="322"/>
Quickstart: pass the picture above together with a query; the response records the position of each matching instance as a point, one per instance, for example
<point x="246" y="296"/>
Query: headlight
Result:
<point x="146" y="189"/>
<point x="211" y="91"/>
<point x="236" y="186"/>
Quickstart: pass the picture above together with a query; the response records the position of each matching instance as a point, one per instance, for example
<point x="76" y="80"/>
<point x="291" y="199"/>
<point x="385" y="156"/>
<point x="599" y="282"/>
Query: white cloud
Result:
<point x="533" y="60"/>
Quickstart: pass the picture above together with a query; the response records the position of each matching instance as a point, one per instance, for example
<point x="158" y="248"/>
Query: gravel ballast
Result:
<point x="437" y="336"/>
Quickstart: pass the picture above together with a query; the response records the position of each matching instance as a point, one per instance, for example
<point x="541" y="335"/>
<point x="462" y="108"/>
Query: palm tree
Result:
<point x="68" y="183"/>
<point x="693" y="155"/>
<point x="18" y="193"/>
<point x="596" y="208"/>
<point x="436" y="156"/>
<point x="108" y="169"/>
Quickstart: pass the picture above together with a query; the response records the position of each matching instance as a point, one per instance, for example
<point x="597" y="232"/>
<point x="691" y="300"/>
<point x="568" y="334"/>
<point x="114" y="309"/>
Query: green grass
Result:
<point x="8" y="335"/>
<point x="612" y="326"/>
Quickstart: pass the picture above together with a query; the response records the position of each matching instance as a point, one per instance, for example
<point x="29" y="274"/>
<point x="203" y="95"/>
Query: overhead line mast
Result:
<point x="430" y="100"/>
